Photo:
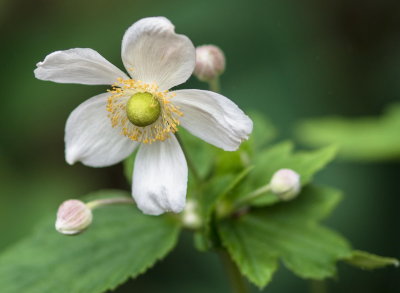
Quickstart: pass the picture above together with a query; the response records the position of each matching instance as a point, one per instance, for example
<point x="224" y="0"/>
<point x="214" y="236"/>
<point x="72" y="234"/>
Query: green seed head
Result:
<point x="143" y="109"/>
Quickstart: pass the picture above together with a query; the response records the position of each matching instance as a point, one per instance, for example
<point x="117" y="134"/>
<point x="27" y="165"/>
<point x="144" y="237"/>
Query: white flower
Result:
<point x="140" y="110"/>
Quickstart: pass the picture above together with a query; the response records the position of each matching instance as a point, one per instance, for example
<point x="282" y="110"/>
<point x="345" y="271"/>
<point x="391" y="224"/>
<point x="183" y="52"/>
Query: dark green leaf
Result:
<point x="306" y="163"/>
<point x="121" y="243"/>
<point x="369" y="261"/>
<point x="364" y="139"/>
<point x="214" y="191"/>
<point x="288" y="231"/>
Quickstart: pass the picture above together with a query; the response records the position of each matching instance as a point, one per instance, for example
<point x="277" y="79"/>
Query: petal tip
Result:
<point x="71" y="161"/>
<point x="71" y="156"/>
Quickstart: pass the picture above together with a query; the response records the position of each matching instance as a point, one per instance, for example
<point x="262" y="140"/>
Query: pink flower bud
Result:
<point x="286" y="184"/>
<point x="210" y="62"/>
<point x="73" y="217"/>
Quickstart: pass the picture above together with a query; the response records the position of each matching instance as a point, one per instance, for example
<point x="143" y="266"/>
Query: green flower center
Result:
<point x="143" y="109"/>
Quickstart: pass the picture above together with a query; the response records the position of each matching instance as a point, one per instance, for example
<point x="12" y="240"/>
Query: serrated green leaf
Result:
<point x="288" y="231"/>
<point x="220" y="188"/>
<point x="363" y="139"/>
<point x="121" y="243"/>
<point x="213" y="192"/>
<point x="369" y="261"/>
<point x="305" y="163"/>
<point x="210" y="194"/>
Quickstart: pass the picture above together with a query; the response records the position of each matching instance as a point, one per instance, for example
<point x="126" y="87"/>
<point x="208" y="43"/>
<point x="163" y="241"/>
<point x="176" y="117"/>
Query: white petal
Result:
<point x="90" y="138"/>
<point x="79" y="65"/>
<point x="153" y="52"/>
<point x="160" y="177"/>
<point x="213" y="118"/>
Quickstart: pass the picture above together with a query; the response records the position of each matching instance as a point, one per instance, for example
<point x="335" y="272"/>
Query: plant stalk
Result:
<point x="215" y="85"/>
<point x="109" y="201"/>
<point x="317" y="286"/>
<point x="252" y="195"/>
<point x="237" y="282"/>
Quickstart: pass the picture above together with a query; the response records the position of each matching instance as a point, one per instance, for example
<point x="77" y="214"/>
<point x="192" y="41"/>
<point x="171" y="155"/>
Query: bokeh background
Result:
<point x="289" y="59"/>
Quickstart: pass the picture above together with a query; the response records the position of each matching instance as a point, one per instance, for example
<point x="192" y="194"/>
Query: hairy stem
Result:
<point x="317" y="286"/>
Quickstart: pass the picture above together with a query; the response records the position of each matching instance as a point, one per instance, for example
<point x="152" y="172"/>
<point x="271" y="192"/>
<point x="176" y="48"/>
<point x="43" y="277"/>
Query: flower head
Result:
<point x="140" y="109"/>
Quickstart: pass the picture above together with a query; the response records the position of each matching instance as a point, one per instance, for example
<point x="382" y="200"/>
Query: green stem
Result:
<point x="318" y="287"/>
<point x="215" y="85"/>
<point x="238" y="283"/>
<point x="252" y="195"/>
<point x="109" y="201"/>
<point x="189" y="160"/>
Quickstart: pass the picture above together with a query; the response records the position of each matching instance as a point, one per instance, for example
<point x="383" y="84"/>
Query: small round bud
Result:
<point x="73" y="217"/>
<point x="190" y="216"/>
<point x="143" y="109"/>
<point x="285" y="183"/>
<point x="210" y="62"/>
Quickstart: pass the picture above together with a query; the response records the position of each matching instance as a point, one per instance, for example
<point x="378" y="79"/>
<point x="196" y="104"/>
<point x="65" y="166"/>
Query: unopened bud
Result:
<point x="73" y="217"/>
<point x="285" y="183"/>
<point x="190" y="216"/>
<point x="210" y="62"/>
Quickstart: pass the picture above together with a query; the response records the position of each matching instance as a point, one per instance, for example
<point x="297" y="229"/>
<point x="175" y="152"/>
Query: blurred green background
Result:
<point x="289" y="59"/>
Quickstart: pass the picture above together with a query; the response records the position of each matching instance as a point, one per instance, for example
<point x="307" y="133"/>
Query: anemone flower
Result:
<point x="140" y="112"/>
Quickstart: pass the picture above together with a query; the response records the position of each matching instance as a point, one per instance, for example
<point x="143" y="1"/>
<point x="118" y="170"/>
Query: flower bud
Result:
<point x="73" y="217"/>
<point x="285" y="183"/>
<point x="190" y="216"/>
<point x="210" y="62"/>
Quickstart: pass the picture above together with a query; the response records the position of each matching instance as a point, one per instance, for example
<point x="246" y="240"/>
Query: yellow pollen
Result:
<point x="161" y="129"/>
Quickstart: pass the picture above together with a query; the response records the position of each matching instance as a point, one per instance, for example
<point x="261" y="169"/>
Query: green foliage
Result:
<point x="121" y="243"/>
<point x="235" y="162"/>
<point x="369" y="261"/>
<point x="288" y="231"/>
<point x="202" y="155"/>
<point x="364" y="139"/>
<point x="214" y="192"/>
<point x="267" y="162"/>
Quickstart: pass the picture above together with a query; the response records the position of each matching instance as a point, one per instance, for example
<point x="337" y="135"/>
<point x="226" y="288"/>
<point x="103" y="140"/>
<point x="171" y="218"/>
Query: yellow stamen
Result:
<point x="167" y="122"/>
